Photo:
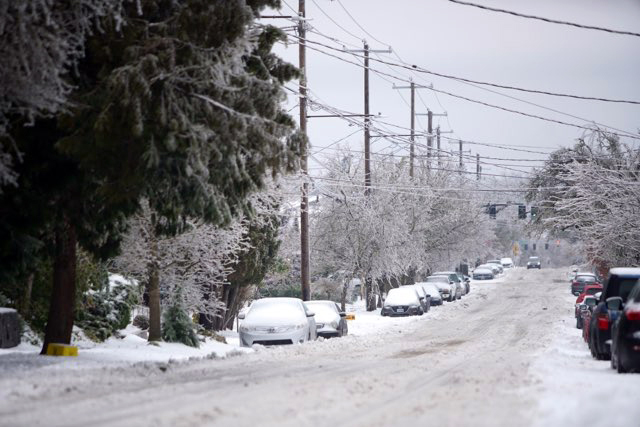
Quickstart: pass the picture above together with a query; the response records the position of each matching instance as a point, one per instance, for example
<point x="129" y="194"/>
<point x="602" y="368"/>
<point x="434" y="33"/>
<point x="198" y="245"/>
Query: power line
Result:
<point x="486" y="104"/>
<point x="552" y="21"/>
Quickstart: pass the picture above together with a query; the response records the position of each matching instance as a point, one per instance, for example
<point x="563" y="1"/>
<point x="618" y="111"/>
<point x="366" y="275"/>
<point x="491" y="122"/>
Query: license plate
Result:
<point x="400" y="310"/>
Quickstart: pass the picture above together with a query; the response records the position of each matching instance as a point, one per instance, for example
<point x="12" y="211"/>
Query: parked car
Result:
<point x="581" y="280"/>
<point x="402" y="301"/>
<point x="276" y="321"/>
<point x="432" y="290"/>
<point x="619" y="284"/>
<point x="498" y="263"/>
<point x="493" y="267"/>
<point x="465" y="282"/>
<point x="445" y="286"/>
<point x="453" y="276"/>
<point x="534" y="262"/>
<point x="425" y="300"/>
<point x="588" y="290"/>
<point x="586" y="309"/>
<point x="625" y="333"/>
<point x="330" y="321"/>
<point x="506" y="262"/>
<point x="482" y="274"/>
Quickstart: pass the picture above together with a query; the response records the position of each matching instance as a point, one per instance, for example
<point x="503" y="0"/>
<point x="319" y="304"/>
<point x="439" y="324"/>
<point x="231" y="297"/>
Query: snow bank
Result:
<point x="577" y="390"/>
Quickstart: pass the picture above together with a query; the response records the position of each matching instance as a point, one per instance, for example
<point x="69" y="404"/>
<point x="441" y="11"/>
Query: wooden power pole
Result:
<point x="304" y="202"/>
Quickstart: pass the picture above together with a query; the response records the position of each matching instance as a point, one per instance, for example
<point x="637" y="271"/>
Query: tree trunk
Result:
<point x="369" y="295"/>
<point x="153" y="289"/>
<point x="343" y="296"/>
<point x="218" y="321"/>
<point x="63" y="298"/>
<point x="207" y="320"/>
<point x="232" y="307"/>
<point x="26" y="303"/>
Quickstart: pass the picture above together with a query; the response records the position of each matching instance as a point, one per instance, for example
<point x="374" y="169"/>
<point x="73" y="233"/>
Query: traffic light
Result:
<point x="534" y="212"/>
<point x="492" y="211"/>
<point x="522" y="212"/>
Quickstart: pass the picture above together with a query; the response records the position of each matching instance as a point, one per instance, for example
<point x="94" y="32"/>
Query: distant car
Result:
<point x="482" y="274"/>
<point x="465" y="282"/>
<point x="534" y="262"/>
<point x="330" y="321"/>
<point x="402" y="301"/>
<point x="506" y="262"/>
<point x="432" y="290"/>
<point x="573" y="273"/>
<point x="586" y="309"/>
<point x="453" y="276"/>
<point x="445" y="286"/>
<point x="498" y="263"/>
<point x="493" y="267"/>
<point x="625" y="334"/>
<point x="425" y="300"/>
<point x="270" y="321"/>
<point x="581" y="280"/>
<point x="588" y="290"/>
<point x="619" y="284"/>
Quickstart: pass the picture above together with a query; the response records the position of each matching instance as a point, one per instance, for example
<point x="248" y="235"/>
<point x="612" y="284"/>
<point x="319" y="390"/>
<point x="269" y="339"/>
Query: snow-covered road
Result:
<point x="487" y="360"/>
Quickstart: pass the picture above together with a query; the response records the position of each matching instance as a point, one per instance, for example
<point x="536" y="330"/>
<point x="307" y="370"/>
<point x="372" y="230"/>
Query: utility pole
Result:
<point x="367" y="120"/>
<point x="413" y="88"/>
<point x="461" y="166"/>
<point x="304" y="202"/>
<point x="367" y="135"/>
<point x="430" y="114"/>
<point x="413" y="128"/>
<point x="478" y="168"/>
<point x="369" y="297"/>
<point x="439" y="153"/>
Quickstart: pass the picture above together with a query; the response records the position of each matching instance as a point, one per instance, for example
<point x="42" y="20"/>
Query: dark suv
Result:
<point x="619" y="284"/>
<point x="625" y="333"/>
<point x="534" y="262"/>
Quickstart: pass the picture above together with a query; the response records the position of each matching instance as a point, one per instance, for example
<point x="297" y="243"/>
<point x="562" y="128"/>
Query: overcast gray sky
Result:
<point x="468" y="42"/>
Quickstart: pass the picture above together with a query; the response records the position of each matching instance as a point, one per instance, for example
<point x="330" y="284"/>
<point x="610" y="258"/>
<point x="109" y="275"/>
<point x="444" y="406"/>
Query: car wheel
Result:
<point x="579" y="322"/>
<point x="619" y="367"/>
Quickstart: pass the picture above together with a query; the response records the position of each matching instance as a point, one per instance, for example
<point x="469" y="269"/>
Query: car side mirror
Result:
<point x="310" y="314"/>
<point x="614" y="303"/>
<point x="241" y="316"/>
<point x="421" y="298"/>
<point x="428" y="295"/>
<point x="343" y="314"/>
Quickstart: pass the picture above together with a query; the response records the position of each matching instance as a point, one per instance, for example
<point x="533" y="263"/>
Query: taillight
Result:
<point x="632" y="314"/>
<point x="603" y="321"/>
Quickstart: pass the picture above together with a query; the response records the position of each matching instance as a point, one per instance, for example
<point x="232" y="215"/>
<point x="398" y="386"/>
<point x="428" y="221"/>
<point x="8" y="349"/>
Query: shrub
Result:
<point x="141" y="321"/>
<point x="177" y="326"/>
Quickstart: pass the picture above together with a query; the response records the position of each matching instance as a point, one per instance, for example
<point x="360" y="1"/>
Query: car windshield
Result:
<point x="401" y="296"/>
<point x="593" y="291"/>
<point x="586" y="279"/>
<point x="590" y="301"/>
<point x="324" y="311"/>
<point x="620" y="286"/>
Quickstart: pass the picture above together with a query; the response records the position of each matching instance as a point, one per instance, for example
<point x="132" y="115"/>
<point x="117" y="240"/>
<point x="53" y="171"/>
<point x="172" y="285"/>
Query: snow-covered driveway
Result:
<point x="480" y="361"/>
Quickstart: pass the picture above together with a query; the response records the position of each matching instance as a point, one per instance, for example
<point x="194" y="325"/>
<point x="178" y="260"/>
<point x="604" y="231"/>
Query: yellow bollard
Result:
<point x="55" y="349"/>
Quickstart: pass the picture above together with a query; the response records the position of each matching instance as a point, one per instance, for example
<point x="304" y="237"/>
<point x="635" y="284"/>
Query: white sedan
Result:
<point x="272" y="321"/>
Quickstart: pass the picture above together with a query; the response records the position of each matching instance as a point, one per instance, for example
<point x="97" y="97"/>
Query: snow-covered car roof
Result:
<point x="325" y="311"/>
<point x="481" y="270"/>
<point x="275" y="312"/>
<point x="430" y="288"/>
<point x="437" y="279"/>
<point x="418" y="289"/>
<point x="403" y="295"/>
<point x="440" y="273"/>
